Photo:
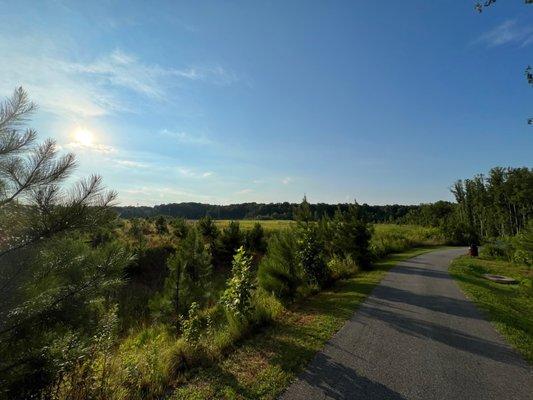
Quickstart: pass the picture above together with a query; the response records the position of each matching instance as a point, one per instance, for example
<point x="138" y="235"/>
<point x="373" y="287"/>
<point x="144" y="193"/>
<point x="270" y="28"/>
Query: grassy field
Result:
<point x="264" y="364"/>
<point x="509" y="307"/>
<point x="268" y="225"/>
<point x="391" y="238"/>
<point x="410" y="232"/>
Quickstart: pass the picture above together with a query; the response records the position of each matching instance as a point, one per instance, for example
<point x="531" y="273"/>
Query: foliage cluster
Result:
<point x="486" y="207"/>
<point x="58" y="272"/>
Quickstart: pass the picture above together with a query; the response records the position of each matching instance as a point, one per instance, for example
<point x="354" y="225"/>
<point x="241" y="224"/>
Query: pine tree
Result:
<point x="50" y="279"/>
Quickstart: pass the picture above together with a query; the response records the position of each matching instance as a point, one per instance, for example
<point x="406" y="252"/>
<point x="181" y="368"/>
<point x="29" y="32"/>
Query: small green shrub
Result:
<point x="238" y="294"/>
<point x="350" y="237"/>
<point x="499" y="249"/>
<point x="279" y="272"/>
<point x="191" y="327"/>
<point x="311" y="255"/>
<point x="340" y="268"/>
<point x="524" y="245"/>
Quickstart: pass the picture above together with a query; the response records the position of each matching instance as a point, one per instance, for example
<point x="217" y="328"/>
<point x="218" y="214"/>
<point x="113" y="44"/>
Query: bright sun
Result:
<point x="83" y="136"/>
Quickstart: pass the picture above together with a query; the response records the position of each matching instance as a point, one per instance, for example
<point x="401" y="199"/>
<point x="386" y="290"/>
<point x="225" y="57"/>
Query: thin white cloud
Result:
<point x="245" y="191"/>
<point x="125" y="70"/>
<point x="190" y="173"/>
<point x="94" y="147"/>
<point x="507" y="32"/>
<point x="186" y="172"/>
<point x="186" y="138"/>
<point x="131" y="163"/>
<point x="286" y="180"/>
<point x="90" y="88"/>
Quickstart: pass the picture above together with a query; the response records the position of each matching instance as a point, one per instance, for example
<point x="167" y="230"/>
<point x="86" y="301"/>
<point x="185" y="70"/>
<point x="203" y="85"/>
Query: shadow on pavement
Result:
<point x="449" y="336"/>
<point x="336" y="381"/>
<point x="443" y="304"/>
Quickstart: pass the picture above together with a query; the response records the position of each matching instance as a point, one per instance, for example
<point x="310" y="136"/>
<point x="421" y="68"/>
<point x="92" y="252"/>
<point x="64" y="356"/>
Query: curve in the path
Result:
<point x="416" y="337"/>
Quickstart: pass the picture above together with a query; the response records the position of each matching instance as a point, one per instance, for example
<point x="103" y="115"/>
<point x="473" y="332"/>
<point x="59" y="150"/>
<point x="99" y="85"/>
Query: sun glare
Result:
<point x="83" y="136"/>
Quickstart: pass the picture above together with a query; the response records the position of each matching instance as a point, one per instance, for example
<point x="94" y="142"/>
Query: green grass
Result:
<point x="268" y="225"/>
<point x="411" y="232"/>
<point x="264" y="364"/>
<point x="509" y="307"/>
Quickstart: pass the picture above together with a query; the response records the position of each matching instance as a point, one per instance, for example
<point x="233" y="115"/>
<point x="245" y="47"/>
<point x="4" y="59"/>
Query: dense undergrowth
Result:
<point x="191" y="313"/>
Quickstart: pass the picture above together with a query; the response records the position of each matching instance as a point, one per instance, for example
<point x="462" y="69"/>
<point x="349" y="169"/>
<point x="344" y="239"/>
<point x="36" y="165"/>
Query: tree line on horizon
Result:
<point x="262" y="211"/>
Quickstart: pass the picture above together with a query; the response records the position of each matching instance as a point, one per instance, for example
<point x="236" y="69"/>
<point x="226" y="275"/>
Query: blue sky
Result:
<point x="225" y="102"/>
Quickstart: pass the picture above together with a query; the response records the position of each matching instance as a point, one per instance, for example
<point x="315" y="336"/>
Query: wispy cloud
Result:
<point x="91" y="88"/>
<point x="125" y="70"/>
<point x="131" y="163"/>
<point x="92" y="147"/>
<point x="507" y="32"/>
<point x="286" y="180"/>
<point x="245" y="191"/>
<point x="186" y="138"/>
<point x="190" y="173"/>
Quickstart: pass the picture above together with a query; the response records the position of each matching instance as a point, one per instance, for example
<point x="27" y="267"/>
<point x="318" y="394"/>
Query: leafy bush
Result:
<point x="280" y="272"/>
<point x="500" y="249"/>
<point x="311" y="256"/>
<point x="191" y="327"/>
<point x="237" y="298"/>
<point x="524" y="245"/>
<point x="350" y="237"/>
<point x="518" y="249"/>
<point x="340" y="268"/>
<point x="88" y="373"/>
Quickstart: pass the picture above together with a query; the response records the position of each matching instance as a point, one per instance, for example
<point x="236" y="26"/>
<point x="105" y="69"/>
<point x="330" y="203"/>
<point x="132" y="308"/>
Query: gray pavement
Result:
<point x="416" y="337"/>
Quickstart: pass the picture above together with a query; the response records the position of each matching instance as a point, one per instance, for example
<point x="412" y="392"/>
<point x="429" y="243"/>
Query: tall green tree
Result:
<point x="311" y="250"/>
<point x="51" y="280"/>
<point x="500" y="204"/>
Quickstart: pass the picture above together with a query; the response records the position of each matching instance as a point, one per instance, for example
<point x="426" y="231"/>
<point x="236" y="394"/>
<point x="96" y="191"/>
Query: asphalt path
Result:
<point x="416" y="337"/>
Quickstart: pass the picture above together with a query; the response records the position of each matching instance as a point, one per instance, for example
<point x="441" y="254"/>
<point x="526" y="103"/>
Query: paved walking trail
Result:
<point x="416" y="337"/>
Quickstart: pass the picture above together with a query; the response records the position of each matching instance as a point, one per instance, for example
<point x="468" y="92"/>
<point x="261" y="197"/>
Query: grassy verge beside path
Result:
<point x="263" y="365"/>
<point x="509" y="307"/>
